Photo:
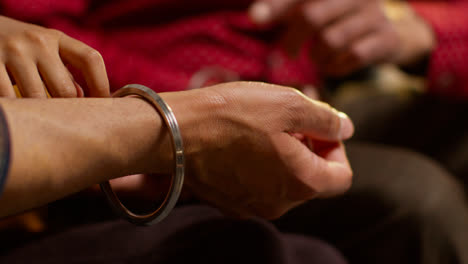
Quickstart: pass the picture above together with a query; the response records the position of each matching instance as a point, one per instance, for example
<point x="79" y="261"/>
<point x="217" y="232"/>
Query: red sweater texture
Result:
<point x="163" y="43"/>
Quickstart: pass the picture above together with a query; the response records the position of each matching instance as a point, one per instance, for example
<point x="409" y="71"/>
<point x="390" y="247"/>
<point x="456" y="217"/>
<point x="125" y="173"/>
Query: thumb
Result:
<point x="320" y="121"/>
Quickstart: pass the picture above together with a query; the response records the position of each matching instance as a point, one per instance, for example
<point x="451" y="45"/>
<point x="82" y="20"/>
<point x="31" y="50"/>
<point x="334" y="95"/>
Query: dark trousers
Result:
<point x="402" y="208"/>
<point x="436" y="127"/>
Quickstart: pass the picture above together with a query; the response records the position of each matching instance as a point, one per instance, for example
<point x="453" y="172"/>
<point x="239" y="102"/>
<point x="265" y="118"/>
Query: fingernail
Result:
<point x="347" y="127"/>
<point x="261" y="13"/>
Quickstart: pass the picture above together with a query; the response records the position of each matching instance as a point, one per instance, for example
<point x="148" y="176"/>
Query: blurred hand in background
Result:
<point x="349" y="34"/>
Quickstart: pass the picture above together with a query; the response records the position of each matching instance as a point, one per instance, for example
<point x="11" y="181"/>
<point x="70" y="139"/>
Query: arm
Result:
<point x="240" y="154"/>
<point x="63" y="146"/>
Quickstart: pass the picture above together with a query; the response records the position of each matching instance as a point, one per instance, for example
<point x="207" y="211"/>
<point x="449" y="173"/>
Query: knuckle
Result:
<point x="295" y="107"/>
<point x="292" y="97"/>
<point x="14" y="47"/>
<point x="56" y="33"/>
<point x="333" y="38"/>
<point x="37" y="37"/>
<point x="92" y="57"/>
<point x="67" y="92"/>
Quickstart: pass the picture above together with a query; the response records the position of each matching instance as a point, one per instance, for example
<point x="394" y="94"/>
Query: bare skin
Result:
<point x="240" y="154"/>
<point x="35" y="58"/>
<point x="350" y="34"/>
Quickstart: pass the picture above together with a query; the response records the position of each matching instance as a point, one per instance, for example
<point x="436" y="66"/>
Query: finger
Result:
<point x="313" y="175"/>
<point x="327" y="173"/>
<point x="27" y="79"/>
<point x="79" y="89"/>
<point x="89" y="62"/>
<point x="319" y="13"/>
<point x="6" y="88"/>
<point x="337" y="176"/>
<point x="57" y="77"/>
<point x="345" y="31"/>
<point x="375" y="47"/>
<point x="330" y="151"/>
<point x="266" y="11"/>
<point x="319" y="120"/>
<point x="371" y="49"/>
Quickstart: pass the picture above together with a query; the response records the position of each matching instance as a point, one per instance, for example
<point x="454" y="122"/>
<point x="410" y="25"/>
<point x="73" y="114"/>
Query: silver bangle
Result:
<point x="179" y="161"/>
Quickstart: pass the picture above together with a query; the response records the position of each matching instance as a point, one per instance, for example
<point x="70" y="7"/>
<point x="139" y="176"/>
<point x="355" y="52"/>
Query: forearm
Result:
<point x="65" y="145"/>
<point x="239" y="153"/>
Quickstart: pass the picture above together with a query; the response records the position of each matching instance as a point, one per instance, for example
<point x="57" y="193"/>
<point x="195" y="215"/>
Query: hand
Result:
<point x="242" y="155"/>
<point x="35" y="57"/>
<point x="350" y="34"/>
<point x="241" y="143"/>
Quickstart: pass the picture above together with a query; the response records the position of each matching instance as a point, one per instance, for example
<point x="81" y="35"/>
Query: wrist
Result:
<point x="140" y="142"/>
<point x="192" y="110"/>
<point x="143" y="141"/>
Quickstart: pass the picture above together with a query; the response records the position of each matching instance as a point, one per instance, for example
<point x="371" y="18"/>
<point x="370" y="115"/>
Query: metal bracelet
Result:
<point x="179" y="161"/>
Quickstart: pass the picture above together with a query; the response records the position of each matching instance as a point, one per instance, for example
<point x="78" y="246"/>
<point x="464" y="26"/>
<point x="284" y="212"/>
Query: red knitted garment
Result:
<point x="163" y="43"/>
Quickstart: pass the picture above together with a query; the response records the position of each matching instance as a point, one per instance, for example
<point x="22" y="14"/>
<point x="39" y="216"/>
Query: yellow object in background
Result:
<point x="397" y="10"/>
<point x="18" y="94"/>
